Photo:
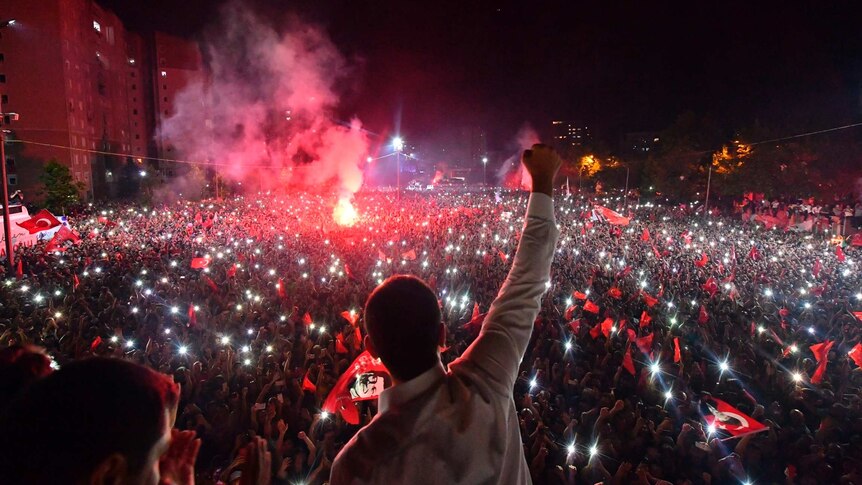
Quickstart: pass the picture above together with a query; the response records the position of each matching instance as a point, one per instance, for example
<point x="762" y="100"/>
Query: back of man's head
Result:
<point x="63" y="427"/>
<point x="403" y="320"/>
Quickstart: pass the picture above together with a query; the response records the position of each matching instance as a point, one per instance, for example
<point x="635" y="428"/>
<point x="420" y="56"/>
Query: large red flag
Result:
<point x="645" y="319"/>
<point x="63" y="234"/>
<point x="856" y="354"/>
<point x="200" y="263"/>
<point x="578" y="295"/>
<point x="677" y="354"/>
<point x="231" y="272"/>
<point x="711" y="286"/>
<point x="615" y="293"/>
<point x="821" y="355"/>
<point x="840" y="253"/>
<point x="650" y="301"/>
<point x="591" y="307"/>
<point x="628" y="363"/>
<point x="606" y="327"/>
<point x="725" y="417"/>
<point x="644" y="343"/>
<point x="754" y="253"/>
<point x="306" y="319"/>
<point x="645" y="235"/>
<point x="612" y="217"/>
<point x="351" y="316"/>
<point x="409" y="255"/>
<point x="307" y="385"/>
<point x="193" y="318"/>
<point x="282" y="291"/>
<point x="95" y="344"/>
<point x="364" y="379"/>
<point x="40" y="221"/>
<point x="19" y="271"/>
<point x="702" y="317"/>
<point x="702" y="262"/>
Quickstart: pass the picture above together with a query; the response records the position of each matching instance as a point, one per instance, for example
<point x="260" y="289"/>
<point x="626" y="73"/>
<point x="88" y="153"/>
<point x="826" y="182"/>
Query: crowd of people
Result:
<point x="241" y="301"/>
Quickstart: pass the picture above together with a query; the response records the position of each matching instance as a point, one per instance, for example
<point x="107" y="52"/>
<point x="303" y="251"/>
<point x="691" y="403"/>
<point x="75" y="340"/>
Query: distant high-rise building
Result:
<point x="177" y="63"/>
<point x="570" y="133"/>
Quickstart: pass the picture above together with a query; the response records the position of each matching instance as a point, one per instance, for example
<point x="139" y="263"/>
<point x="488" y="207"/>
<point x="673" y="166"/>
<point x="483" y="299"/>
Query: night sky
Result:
<point x="617" y="68"/>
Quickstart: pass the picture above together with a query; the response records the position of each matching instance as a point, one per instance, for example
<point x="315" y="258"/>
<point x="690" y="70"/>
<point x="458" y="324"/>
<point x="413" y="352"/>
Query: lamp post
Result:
<point x="398" y="145"/>
<point x="626" y="191"/>
<point x="7" y="229"/>
<point x="706" y="202"/>
<point x="485" y="171"/>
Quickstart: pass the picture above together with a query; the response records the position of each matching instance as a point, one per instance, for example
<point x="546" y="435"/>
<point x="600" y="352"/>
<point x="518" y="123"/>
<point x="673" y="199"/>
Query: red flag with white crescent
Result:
<point x="40" y="221"/>
<point x="351" y="316"/>
<point x="727" y="418"/>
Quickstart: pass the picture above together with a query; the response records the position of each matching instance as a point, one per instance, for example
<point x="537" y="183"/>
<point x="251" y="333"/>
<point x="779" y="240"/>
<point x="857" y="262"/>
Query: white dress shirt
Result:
<point x="461" y="426"/>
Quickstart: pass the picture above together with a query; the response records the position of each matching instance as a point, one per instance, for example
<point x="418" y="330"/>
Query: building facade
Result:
<point x="570" y="133"/>
<point x="89" y="93"/>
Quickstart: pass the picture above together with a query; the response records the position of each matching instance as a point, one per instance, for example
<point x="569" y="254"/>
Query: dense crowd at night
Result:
<point x="649" y="336"/>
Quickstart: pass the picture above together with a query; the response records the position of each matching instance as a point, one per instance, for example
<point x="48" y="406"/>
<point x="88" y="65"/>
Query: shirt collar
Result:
<point x="406" y="391"/>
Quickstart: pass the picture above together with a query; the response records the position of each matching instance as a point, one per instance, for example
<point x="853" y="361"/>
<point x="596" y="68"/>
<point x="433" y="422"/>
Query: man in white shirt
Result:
<point x="460" y="425"/>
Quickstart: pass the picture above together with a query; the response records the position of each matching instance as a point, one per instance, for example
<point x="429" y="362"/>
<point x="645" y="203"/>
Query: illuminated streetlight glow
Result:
<point x="398" y="144"/>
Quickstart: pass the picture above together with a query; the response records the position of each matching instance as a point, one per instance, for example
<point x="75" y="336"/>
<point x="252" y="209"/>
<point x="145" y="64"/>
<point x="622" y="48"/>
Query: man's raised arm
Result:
<point x="506" y="331"/>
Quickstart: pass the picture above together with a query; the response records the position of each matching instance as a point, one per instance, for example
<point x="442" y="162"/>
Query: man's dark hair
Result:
<point x="403" y="318"/>
<point x="60" y="428"/>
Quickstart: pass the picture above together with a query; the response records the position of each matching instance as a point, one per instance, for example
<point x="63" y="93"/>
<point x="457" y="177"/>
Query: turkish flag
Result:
<point x="575" y="325"/>
<point x="821" y="355"/>
<point x="606" y="327"/>
<point x="754" y="253"/>
<point x="350" y="316"/>
<point x="645" y="319"/>
<point x="816" y="270"/>
<point x="570" y="312"/>
<point x="628" y="362"/>
<point x="591" y="307"/>
<point x="650" y="301"/>
<point x="62" y="235"/>
<point x="677" y="354"/>
<point x="856" y="354"/>
<point x="193" y="319"/>
<point x="645" y="235"/>
<point x="615" y="293"/>
<point x="702" y="262"/>
<point x="282" y="291"/>
<point x="40" y="221"/>
<point x="364" y="379"/>
<point x="75" y="281"/>
<point x="200" y="263"/>
<point x="858" y="315"/>
<point x="578" y="295"/>
<point x="644" y="343"/>
<point x="306" y="319"/>
<point x="502" y="256"/>
<point x="612" y="217"/>
<point x="838" y="252"/>
<point x="409" y="255"/>
<point x="711" y="286"/>
<point x="307" y="385"/>
<point x="702" y="317"/>
<point x="727" y="418"/>
<point x="231" y="272"/>
<point x="655" y="251"/>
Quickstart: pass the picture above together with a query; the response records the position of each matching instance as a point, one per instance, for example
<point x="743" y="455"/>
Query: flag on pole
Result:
<point x="677" y="354"/>
<point x="628" y="362"/>
<point x="577" y="295"/>
<point x="702" y="261"/>
<point x="306" y="319"/>
<point x="307" y="385"/>
<point x="591" y="307"/>
<point x="645" y="343"/>
<point x="645" y="319"/>
<point x="821" y="355"/>
<point x="612" y="217"/>
<point x="200" y="263"/>
<point x="351" y="316"/>
<point x="645" y="235"/>
<point x="650" y="301"/>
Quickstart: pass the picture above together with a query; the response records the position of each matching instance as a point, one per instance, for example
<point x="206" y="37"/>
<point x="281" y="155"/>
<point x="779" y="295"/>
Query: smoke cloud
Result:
<point x="264" y="111"/>
<point x="511" y="173"/>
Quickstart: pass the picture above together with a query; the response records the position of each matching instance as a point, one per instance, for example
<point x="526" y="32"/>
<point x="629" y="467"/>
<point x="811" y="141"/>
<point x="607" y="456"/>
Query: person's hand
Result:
<point x="301" y="435"/>
<point x="603" y="413"/>
<point x="281" y="425"/>
<point x="618" y="406"/>
<point x="177" y="465"/>
<point x="258" y="466"/>
<point x="542" y="163"/>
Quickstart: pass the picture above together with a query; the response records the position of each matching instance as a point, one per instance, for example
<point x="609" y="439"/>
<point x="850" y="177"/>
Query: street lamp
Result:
<point x="485" y="171"/>
<point x="398" y="145"/>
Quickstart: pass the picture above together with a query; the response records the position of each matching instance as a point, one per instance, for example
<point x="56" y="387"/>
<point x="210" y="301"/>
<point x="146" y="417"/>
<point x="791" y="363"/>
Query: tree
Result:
<point x="60" y="190"/>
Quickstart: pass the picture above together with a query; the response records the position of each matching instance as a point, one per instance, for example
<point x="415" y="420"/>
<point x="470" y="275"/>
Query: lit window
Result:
<point x="164" y="73"/>
<point x="131" y="61"/>
<point x="97" y="26"/>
